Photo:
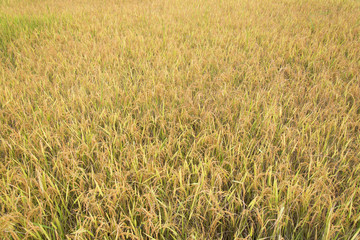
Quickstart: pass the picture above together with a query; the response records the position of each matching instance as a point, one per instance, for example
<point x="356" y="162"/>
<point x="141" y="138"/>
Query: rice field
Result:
<point x="180" y="119"/>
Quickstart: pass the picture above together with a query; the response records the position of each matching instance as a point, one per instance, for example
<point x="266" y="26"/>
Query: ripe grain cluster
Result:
<point x="180" y="119"/>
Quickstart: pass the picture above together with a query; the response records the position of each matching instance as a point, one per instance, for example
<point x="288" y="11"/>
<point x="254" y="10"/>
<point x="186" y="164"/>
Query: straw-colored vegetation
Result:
<point x="179" y="119"/>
